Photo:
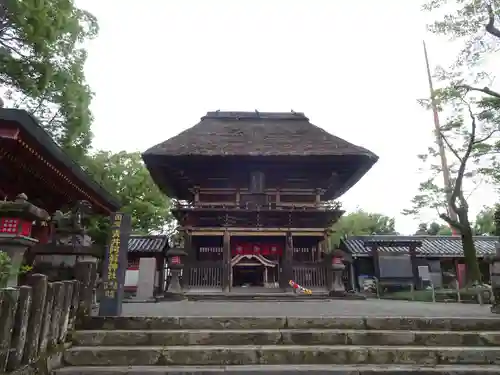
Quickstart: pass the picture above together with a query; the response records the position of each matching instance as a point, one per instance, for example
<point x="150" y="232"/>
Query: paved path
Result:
<point x="369" y="308"/>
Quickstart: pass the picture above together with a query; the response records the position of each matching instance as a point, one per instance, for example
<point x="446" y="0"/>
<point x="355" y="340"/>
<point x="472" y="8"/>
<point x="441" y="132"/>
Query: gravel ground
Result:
<point x="368" y="308"/>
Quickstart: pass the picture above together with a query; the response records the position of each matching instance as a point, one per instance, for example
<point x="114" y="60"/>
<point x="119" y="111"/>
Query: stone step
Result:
<point x="284" y="337"/>
<point x="282" y="370"/>
<point x="346" y="322"/>
<point x="279" y="355"/>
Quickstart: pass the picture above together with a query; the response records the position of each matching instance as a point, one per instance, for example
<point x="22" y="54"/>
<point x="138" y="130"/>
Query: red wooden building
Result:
<point x="255" y="196"/>
<point x="33" y="164"/>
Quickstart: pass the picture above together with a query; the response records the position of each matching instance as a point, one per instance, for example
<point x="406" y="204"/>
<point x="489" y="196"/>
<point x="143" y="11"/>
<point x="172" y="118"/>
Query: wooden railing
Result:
<point x="205" y="275"/>
<point x="310" y="276"/>
<point x="323" y="206"/>
<point x="35" y="320"/>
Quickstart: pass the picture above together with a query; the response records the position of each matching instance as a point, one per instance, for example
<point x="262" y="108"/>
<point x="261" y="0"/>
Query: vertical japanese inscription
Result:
<point x="115" y="265"/>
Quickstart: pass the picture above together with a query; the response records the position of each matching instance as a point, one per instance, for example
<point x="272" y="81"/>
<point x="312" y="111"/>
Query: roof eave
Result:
<point x="29" y="124"/>
<point x="369" y="161"/>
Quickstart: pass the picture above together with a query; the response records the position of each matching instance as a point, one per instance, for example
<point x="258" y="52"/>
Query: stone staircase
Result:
<point x="341" y="346"/>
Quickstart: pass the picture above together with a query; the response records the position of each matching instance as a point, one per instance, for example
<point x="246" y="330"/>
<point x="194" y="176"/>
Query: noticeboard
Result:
<point x="115" y="266"/>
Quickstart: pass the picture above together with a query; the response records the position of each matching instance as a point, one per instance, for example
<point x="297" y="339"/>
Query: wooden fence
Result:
<point x="35" y="319"/>
<point x="310" y="275"/>
<point x="205" y="275"/>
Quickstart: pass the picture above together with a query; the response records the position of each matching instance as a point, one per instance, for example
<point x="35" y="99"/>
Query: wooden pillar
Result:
<point x="414" y="265"/>
<point x="189" y="260"/>
<point x="325" y="245"/>
<point x="287" y="273"/>
<point x="160" y="265"/>
<point x="318" y="197"/>
<point x="318" y="252"/>
<point x="352" y="275"/>
<point x="376" y="268"/>
<point x="226" y="262"/>
<point x="196" y="195"/>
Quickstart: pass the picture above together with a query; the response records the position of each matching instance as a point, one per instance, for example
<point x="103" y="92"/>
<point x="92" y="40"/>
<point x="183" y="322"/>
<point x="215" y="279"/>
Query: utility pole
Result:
<point x="439" y="140"/>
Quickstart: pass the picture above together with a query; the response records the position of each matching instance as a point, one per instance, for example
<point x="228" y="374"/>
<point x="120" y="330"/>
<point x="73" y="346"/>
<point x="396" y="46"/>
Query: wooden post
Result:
<point x="75" y="303"/>
<point x="160" y="266"/>
<point x="83" y="273"/>
<point x="55" y="318"/>
<point x="66" y="309"/>
<point x="328" y="262"/>
<point x="189" y="260"/>
<point x="9" y="298"/>
<point x="38" y="283"/>
<point x="196" y="195"/>
<point x="20" y="328"/>
<point x="414" y="265"/>
<point x="46" y="320"/>
<point x="374" y="252"/>
<point x="288" y="264"/>
<point x="226" y="260"/>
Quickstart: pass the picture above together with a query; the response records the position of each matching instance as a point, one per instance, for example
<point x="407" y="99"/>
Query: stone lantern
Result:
<point x="337" y="288"/>
<point x="16" y="223"/>
<point x="175" y="265"/>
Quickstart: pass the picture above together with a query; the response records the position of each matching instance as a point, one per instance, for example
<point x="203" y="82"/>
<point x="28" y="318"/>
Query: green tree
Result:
<point x="467" y="133"/>
<point x="359" y="223"/>
<point x="125" y="175"/>
<point x="41" y="67"/>
<point x="485" y="221"/>
<point x="433" y="229"/>
<point x="471" y="101"/>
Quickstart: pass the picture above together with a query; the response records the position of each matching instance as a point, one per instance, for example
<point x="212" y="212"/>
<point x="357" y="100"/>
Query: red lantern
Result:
<point x="239" y="249"/>
<point x="336" y="260"/>
<point x="265" y="249"/>
<point x="15" y="226"/>
<point x="176" y="260"/>
<point x="256" y="249"/>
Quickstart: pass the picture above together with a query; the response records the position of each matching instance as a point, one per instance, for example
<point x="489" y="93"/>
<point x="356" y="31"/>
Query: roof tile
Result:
<point x="147" y="244"/>
<point x="435" y="246"/>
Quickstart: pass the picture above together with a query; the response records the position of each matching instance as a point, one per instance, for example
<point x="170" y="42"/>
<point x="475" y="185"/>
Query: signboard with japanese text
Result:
<point x="115" y="265"/>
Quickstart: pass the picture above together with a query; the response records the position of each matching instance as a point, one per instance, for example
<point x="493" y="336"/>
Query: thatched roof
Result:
<point x="256" y="134"/>
<point x="244" y="136"/>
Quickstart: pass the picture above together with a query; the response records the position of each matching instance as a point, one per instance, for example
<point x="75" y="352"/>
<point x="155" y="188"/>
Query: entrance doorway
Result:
<point x="248" y="275"/>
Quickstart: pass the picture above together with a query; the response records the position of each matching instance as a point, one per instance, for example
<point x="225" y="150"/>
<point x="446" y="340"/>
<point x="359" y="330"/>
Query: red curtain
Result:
<point x="247" y="248"/>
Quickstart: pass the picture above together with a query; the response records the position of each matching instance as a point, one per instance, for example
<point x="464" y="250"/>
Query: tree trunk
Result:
<point x="473" y="274"/>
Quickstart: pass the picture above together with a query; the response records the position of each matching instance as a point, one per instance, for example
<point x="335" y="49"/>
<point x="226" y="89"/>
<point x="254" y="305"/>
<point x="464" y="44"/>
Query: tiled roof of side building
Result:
<point x="432" y="246"/>
<point x="147" y="244"/>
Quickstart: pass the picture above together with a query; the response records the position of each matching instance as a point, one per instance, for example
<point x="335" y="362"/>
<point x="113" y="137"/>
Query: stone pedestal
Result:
<point x="337" y="289"/>
<point x="146" y="278"/>
<point x="15" y="247"/>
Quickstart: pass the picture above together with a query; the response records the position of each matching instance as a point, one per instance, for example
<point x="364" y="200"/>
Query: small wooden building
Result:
<point x="439" y="253"/>
<point x="254" y="196"/>
<point x="146" y="247"/>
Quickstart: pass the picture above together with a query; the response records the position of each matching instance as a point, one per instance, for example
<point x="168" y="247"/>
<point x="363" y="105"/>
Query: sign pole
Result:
<point x="115" y="265"/>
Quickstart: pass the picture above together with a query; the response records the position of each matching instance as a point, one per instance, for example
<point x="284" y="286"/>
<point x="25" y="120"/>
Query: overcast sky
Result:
<point x="355" y="68"/>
